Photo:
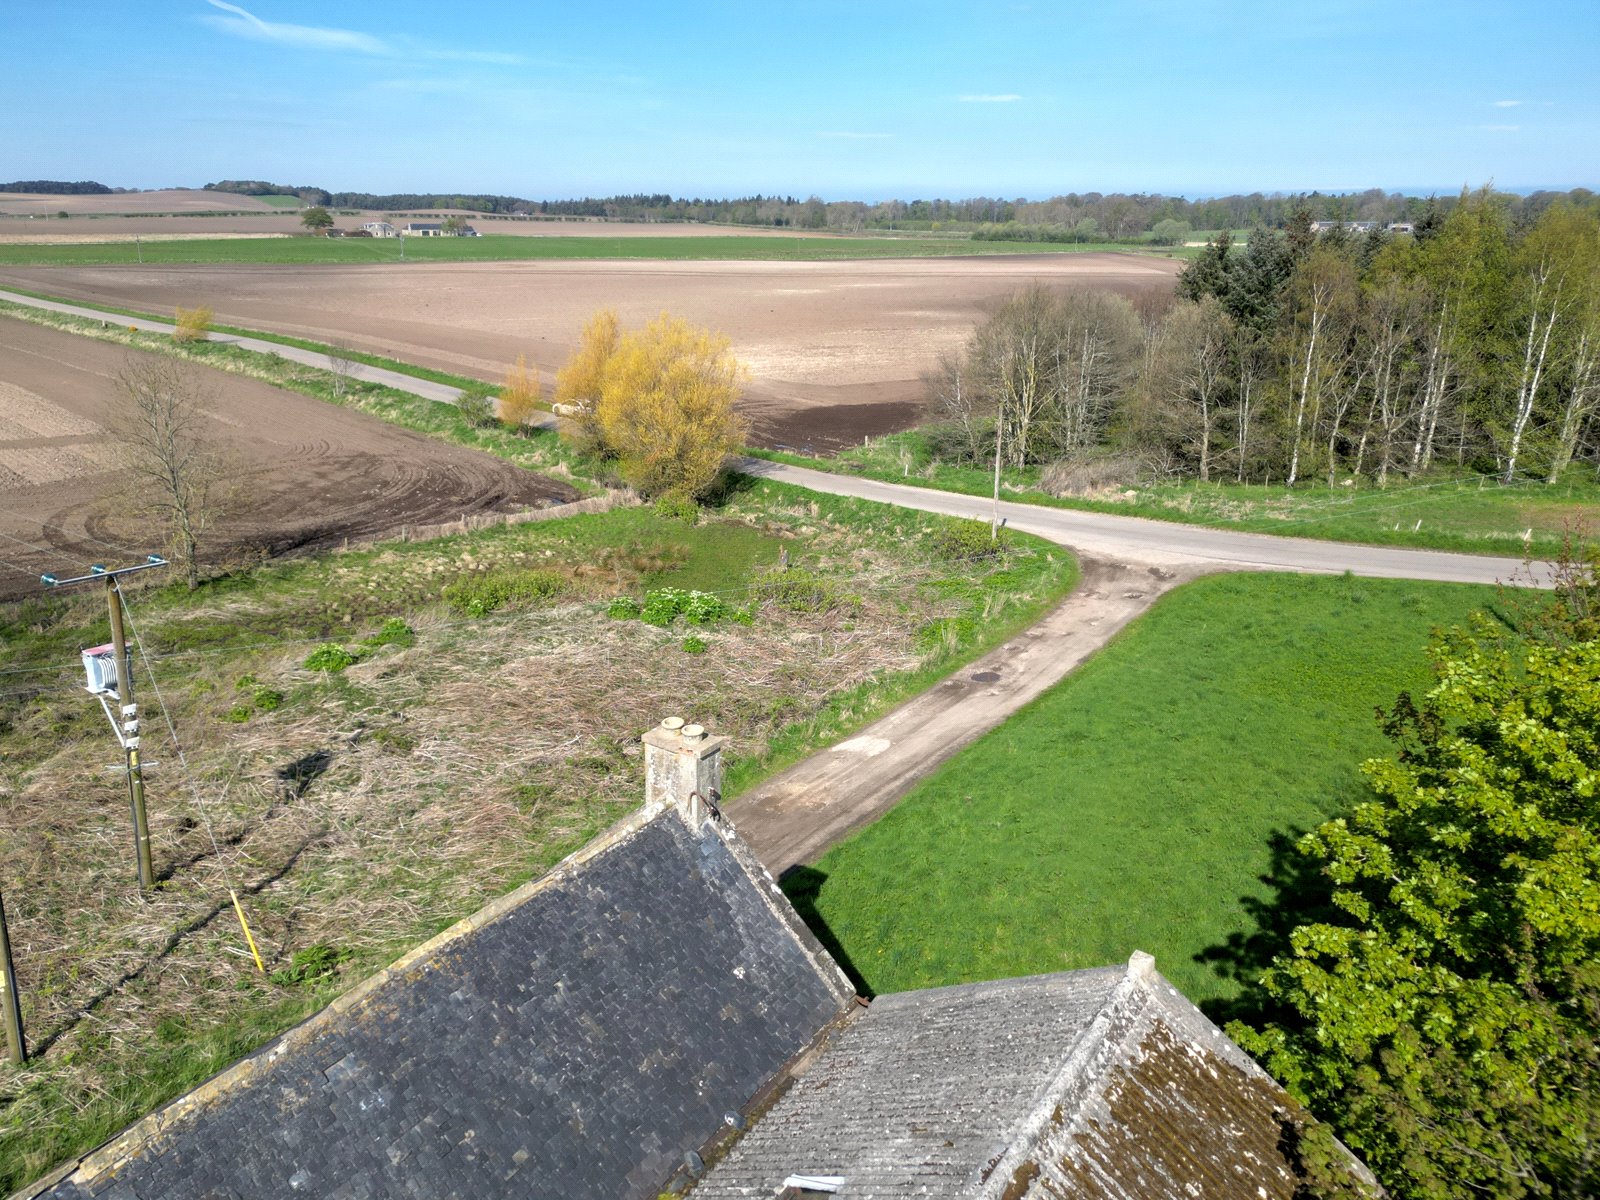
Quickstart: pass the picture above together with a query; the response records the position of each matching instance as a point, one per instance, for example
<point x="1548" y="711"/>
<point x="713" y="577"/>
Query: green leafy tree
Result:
<point x="1169" y="232"/>
<point x="1447" y="1020"/>
<point x="317" y="219"/>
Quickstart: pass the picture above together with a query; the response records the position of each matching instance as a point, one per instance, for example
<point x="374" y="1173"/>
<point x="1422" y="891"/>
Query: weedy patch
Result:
<point x="375" y="756"/>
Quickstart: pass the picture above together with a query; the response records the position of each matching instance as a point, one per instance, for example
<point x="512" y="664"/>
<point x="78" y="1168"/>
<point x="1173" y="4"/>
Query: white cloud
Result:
<point x="1508" y="103"/>
<point x="242" y="23"/>
<point x="1004" y="98"/>
<point x="851" y="136"/>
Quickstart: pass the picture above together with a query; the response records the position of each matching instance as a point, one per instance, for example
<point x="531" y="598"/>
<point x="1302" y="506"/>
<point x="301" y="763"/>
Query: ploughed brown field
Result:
<point x="303" y="473"/>
<point x="835" y="350"/>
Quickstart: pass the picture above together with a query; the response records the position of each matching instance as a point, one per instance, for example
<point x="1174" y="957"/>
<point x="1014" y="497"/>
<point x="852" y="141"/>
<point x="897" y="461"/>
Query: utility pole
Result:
<point x="999" y="428"/>
<point x="130" y="735"/>
<point x="127" y="729"/>
<point x="16" y="1048"/>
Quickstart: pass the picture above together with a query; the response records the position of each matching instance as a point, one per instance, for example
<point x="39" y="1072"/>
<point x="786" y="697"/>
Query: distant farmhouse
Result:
<point x="380" y="229"/>
<point x="1362" y="227"/>
<point x="653" y="1015"/>
<point x="437" y="229"/>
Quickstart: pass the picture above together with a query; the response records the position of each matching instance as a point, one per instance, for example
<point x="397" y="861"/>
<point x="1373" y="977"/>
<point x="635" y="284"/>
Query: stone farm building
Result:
<point x="653" y="1015"/>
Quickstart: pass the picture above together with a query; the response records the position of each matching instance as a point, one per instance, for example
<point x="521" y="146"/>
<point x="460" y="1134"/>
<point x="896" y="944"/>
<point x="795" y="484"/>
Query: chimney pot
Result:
<point x="672" y="724"/>
<point x="693" y="733"/>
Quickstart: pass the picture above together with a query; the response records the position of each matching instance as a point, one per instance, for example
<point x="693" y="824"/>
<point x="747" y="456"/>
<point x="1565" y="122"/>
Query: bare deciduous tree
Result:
<point x="158" y="422"/>
<point x="343" y="366"/>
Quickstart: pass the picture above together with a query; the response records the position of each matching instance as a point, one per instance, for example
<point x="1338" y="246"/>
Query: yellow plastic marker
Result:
<point x="245" y="925"/>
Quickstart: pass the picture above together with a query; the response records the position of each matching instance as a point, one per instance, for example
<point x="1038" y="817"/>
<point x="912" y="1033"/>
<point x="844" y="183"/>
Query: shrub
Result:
<point x="580" y="379"/>
<point x="800" y="592"/>
<point x="664" y="407"/>
<point x="694" y="645"/>
<point x="238" y="714"/>
<point x="663" y="606"/>
<point x="481" y="593"/>
<point x="266" y="699"/>
<point x="477" y="405"/>
<point x="674" y="506"/>
<point x="967" y="541"/>
<point x="393" y="632"/>
<point x="623" y="609"/>
<point x="519" y="398"/>
<point x="192" y="324"/>
<point x="330" y="657"/>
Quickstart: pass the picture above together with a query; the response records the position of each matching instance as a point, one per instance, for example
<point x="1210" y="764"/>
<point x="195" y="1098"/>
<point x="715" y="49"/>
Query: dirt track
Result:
<point x="835" y="350"/>
<point x="309" y="474"/>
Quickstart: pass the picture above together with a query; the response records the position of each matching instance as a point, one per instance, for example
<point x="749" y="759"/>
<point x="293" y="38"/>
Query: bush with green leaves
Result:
<point x="476" y="405"/>
<point x="393" y="632"/>
<point x="482" y="592"/>
<point x="801" y="592"/>
<point x="623" y="608"/>
<point x="330" y="657"/>
<point x="675" y="506"/>
<point x="663" y="606"/>
<point x="694" y="645"/>
<point x="967" y="541"/>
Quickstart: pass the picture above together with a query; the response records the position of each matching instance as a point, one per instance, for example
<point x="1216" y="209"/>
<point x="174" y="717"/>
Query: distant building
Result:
<point x="1347" y="226"/>
<point x="1400" y="227"/>
<point x="379" y="228"/>
<point x="422" y="229"/>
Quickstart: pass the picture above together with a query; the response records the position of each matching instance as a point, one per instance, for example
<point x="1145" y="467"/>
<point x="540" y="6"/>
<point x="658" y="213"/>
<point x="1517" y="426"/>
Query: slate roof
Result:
<point x="1090" y="1084"/>
<point x="574" y="1040"/>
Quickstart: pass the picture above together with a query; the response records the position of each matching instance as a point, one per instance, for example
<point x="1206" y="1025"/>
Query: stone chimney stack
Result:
<point x="683" y="767"/>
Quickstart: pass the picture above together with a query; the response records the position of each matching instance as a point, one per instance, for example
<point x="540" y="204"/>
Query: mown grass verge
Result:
<point x="360" y="356"/>
<point x="1471" y="514"/>
<point x="378" y="761"/>
<point x="1147" y="802"/>
<point x="536" y="449"/>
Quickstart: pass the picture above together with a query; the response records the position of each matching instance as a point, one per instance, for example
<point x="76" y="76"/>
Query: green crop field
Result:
<point x="1140" y="804"/>
<point x="491" y="247"/>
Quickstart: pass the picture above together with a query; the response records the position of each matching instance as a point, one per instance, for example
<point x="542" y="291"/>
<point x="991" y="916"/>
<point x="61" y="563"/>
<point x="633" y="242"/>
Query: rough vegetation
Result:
<point x="377" y="742"/>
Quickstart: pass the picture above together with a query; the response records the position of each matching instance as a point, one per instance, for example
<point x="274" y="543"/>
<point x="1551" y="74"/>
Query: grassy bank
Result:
<point x="484" y="725"/>
<point x="1144" y="802"/>
<point x="538" y="450"/>
<point x="1441" y="512"/>
<point x="280" y="339"/>
<point x="509" y="247"/>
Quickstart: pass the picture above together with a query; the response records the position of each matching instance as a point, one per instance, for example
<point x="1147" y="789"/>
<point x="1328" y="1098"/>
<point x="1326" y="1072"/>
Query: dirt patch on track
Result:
<point x="305" y="474"/>
<point x="835" y="350"/>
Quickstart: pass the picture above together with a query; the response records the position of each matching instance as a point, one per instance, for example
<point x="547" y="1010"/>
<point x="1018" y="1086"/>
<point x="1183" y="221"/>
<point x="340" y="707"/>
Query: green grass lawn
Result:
<point x="1139" y="804"/>
<point x="1441" y="512"/>
<point x="510" y="247"/>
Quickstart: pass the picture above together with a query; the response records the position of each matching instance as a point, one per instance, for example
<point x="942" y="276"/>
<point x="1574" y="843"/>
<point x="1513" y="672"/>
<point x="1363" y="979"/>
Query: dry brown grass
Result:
<point x="374" y="807"/>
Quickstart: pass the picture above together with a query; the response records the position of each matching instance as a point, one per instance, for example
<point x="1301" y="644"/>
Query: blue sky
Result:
<point x="845" y="100"/>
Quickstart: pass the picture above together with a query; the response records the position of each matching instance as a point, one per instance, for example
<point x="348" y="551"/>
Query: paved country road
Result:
<point x="1127" y="562"/>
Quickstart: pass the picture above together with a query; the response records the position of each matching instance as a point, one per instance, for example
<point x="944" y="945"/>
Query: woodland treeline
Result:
<point x="1080" y="217"/>
<point x="1474" y="344"/>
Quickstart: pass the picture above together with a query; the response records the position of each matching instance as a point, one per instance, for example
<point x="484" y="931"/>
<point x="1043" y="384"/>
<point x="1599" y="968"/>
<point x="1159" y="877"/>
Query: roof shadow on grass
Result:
<point x="1299" y="894"/>
<point x="802" y="885"/>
